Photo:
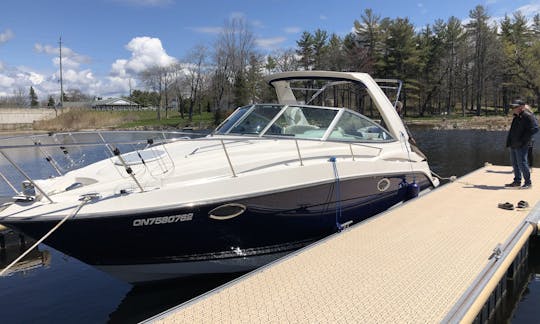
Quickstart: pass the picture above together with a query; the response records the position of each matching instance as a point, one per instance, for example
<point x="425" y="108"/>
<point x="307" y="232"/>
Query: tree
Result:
<point x="145" y="98"/>
<point x="335" y="57"/>
<point x="320" y="49"/>
<point x="240" y="91"/>
<point x="254" y="79"/>
<point x="64" y="97"/>
<point x="355" y="57"/>
<point x="157" y="78"/>
<point x="19" y="99"/>
<point x="33" y="98"/>
<point x="305" y="50"/>
<point x="232" y="52"/>
<point x="51" y="103"/>
<point x="196" y="65"/>
<point x="281" y="61"/>
<point x="522" y="53"/>
<point x="454" y="42"/>
<point x="401" y="59"/>
<point x="76" y="95"/>
<point x="430" y="76"/>
<point x="479" y="34"/>
<point x="369" y="36"/>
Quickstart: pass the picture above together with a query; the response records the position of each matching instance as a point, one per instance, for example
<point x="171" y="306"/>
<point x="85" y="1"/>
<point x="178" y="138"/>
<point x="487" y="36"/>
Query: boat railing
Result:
<point x="55" y="154"/>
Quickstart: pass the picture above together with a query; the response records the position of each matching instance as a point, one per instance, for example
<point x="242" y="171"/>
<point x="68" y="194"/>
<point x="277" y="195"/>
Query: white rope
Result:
<point x="451" y="178"/>
<point x="86" y="199"/>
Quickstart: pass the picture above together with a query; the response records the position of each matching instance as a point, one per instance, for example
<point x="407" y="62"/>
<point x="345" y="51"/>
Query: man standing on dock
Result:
<point x="523" y="127"/>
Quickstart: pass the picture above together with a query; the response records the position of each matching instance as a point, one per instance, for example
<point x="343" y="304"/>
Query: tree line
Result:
<point x="448" y="67"/>
<point x="471" y="67"/>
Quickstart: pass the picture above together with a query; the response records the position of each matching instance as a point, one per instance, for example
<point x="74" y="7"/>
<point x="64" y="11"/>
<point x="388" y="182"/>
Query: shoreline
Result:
<point x="488" y="123"/>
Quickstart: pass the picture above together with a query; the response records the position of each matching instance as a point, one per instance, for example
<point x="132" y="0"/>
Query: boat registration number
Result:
<point x="163" y="220"/>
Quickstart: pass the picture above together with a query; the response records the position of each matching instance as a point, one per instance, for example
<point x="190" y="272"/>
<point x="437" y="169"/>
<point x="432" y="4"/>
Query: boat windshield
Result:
<point x="336" y="124"/>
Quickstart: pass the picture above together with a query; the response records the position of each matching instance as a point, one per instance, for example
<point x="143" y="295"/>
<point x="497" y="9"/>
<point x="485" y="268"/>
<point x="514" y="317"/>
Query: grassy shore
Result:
<point x="490" y="123"/>
<point x="75" y="120"/>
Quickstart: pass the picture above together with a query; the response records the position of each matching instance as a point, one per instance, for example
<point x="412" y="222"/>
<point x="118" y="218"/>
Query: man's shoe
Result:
<point x="526" y="186"/>
<point x="513" y="185"/>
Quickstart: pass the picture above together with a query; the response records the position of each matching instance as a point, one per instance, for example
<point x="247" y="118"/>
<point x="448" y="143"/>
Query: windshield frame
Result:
<point x="249" y="109"/>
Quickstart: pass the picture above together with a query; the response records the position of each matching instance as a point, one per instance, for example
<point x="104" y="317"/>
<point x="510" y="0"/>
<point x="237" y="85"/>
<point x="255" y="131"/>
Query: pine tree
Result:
<point x="369" y="38"/>
<point x="33" y="98"/>
<point x="50" y="103"/>
<point x="305" y="50"/>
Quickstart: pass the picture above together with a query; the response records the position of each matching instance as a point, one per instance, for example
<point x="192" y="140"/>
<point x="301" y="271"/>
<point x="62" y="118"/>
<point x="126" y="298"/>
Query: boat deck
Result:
<point x="429" y="260"/>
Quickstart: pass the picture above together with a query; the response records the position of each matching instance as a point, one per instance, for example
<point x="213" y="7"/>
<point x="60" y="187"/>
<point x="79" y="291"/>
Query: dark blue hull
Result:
<point x="271" y="224"/>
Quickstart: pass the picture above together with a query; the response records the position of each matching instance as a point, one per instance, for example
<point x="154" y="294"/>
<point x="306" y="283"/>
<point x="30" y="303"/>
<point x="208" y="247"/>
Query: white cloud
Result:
<point x="36" y="78"/>
<point x="84" y="77"/>
<point x="13" y="79"/>
<point x="270" y="43"/>
<point x="118" y="68"/>
<point x="47" y="49"/>
<point x="70" y="58"/>
<point x="117" y="85"/>
<point x="6" y="35"/>
<point x="256" y="23"/>
<point x="237" y="15"/>
<point x="146" y="52"/>
<point x="6" y="82"/>
<point x="530" y="9"/>
<point x="292" y="30"/>
<point x="207" y="30"/>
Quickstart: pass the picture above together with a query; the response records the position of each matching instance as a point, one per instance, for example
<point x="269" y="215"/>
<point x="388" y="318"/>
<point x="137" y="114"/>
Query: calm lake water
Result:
<point x="61" y="289"/>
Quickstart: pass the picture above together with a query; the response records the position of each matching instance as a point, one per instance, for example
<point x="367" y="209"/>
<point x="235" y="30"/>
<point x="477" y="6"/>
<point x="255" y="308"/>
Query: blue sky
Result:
<point x="105" y="42"/>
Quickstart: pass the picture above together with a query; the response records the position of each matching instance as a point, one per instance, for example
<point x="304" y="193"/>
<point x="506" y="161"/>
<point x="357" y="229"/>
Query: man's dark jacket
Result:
<point x="523" y="127"/>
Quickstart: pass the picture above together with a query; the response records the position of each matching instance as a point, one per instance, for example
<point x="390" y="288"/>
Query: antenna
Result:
<point x="61" y="81"/>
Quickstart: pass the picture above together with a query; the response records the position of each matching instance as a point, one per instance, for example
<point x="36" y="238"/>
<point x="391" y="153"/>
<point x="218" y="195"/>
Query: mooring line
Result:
<point x="85" y="200"/>
<point x="338" y="194"/>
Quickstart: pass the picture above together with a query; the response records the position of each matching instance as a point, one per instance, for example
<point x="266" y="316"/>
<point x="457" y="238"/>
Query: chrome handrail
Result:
<point x="221" y="141"/>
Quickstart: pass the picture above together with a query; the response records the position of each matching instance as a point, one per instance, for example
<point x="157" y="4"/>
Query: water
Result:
<point x="63" y="289"/>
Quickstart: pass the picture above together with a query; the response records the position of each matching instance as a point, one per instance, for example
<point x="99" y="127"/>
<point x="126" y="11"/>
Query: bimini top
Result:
<point x="354" y="90"/>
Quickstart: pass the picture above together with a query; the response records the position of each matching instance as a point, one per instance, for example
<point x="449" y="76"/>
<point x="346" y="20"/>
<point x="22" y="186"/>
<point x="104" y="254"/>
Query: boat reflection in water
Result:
<point x="145" y="301"/>
<point x="12" y="245"/>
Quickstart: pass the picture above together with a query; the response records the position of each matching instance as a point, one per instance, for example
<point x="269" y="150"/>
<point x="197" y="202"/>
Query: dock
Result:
<point x="439" y="258"/>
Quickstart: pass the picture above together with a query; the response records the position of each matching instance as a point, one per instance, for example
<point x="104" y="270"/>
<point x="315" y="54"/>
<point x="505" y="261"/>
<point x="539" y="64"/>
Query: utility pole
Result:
<point x="61" y="81"/>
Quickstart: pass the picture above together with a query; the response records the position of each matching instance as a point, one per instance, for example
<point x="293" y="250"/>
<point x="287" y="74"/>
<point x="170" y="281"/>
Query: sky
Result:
<point x="106" y="43"/>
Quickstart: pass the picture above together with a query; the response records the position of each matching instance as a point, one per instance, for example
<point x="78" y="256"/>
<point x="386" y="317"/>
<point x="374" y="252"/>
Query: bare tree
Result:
<point x="77" y="95"/>
<point x="196" y="66"/>
<point x="282" y="61"/>
<point x="19" y="98"/>
<point x="159" y="79"/>
<point x="232" y="51"/>
<point x="178" y="86"/>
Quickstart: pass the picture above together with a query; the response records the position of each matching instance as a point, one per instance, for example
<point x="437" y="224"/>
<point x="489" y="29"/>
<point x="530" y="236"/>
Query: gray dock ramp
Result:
<point x="433" y="259"/>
